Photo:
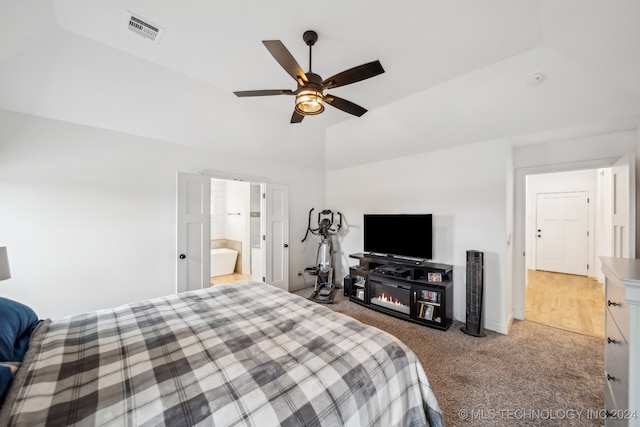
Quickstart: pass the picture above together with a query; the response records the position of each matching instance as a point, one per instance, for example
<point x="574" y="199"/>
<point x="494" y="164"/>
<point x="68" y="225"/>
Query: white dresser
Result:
<point x="622" y="341"/>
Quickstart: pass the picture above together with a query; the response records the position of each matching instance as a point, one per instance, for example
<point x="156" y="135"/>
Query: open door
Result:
<point x="624" y="207"/>
<point x="193" y="232"/>
<point x="276" y="235"/>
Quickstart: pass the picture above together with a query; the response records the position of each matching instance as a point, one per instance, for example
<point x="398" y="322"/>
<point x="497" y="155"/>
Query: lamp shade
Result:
<point x="4" y="264"/>
<point x="309" y="102"/>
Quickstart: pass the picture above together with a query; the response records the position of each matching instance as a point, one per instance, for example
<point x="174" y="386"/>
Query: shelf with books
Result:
<point x="358" y="290"/>
<point x="430" y="296"/>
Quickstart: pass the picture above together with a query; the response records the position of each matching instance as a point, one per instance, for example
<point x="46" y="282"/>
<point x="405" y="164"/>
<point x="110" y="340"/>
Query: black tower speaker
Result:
<point x="475" y="278"/>
<point x="347" y="285"/>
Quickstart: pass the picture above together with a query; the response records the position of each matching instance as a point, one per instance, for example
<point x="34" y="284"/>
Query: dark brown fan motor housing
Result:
<point x="310" y="96"/>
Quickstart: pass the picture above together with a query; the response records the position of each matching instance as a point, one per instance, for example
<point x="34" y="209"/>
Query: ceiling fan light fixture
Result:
<point x="309" y="97"/>
<point x="309" y="102"/>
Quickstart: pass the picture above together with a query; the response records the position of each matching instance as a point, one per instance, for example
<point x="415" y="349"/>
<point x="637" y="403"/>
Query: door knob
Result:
<point x="182" y="256"/>
<point x="286" y="245"/>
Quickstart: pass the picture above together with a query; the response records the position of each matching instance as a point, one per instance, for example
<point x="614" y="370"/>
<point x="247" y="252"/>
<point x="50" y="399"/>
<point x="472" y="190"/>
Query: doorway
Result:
<point x="194" y="235"/>
<point x="615" y="177"/>
<point x="560" y="238"/>
<point x="235" y="228"/>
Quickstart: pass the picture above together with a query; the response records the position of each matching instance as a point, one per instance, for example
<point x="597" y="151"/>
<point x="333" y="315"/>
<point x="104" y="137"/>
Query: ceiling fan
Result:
<point x="310" y="96"/>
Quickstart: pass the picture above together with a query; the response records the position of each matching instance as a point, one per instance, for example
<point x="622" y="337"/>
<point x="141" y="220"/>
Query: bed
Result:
<point x="244" y="354"/>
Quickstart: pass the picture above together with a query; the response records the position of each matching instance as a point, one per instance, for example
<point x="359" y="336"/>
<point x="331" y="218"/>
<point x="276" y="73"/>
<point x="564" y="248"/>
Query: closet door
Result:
<point x="276" y="237"/>
<point x="193" y="232"/>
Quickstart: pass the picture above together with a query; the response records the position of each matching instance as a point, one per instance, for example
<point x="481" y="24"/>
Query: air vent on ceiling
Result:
<point x="143" y="27"/>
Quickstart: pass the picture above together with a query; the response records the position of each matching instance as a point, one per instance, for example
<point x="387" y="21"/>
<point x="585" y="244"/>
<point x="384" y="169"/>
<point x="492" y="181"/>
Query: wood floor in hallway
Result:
<point x="229" y="278"/>
<point x="566" y="301"/>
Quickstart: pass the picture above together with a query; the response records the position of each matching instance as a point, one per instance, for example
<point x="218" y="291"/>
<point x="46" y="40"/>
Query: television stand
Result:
<point x="411" y="289"/>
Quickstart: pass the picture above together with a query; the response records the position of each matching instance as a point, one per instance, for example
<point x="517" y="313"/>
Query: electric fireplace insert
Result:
<point x="392" y="296"/>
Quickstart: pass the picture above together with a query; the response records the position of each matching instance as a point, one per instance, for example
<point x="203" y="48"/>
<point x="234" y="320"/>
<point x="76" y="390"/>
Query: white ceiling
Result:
<point x="455" y="71"/>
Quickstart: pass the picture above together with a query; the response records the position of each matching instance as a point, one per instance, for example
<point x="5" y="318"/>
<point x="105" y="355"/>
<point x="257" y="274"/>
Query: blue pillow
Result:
<point x="16" y="324"/>
<point x="6" y="377"/>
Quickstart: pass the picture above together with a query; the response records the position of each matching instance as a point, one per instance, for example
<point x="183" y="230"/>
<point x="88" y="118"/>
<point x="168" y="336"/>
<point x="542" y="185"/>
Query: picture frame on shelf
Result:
<point x="434" y="277"/>
<point x="431" y="296"/>
<point x="428" y="312"/>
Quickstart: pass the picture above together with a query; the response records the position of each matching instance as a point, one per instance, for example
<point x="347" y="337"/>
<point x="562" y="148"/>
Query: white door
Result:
<point x="193" y="232"/>
<point x="276" y="235"/>
<point x="562" y="232"/>
<point x="624" y="204"/>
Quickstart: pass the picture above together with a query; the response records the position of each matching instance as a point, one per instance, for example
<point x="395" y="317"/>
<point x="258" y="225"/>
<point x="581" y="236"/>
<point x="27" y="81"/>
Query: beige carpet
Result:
<point x="536" y="375"/>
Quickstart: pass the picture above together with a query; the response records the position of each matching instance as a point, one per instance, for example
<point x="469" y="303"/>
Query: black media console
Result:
<point x="414" y="290"/>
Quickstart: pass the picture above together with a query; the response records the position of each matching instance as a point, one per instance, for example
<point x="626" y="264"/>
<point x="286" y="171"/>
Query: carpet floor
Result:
<point x="535" y="375"/>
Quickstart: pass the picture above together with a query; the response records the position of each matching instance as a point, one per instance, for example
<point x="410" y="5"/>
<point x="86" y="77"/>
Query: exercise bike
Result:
<point x="323" y="273"/>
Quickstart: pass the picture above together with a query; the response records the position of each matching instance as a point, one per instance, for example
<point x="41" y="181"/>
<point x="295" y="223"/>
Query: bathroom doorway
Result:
<point x="194" y="240"/>
<point x="236" y="244"/>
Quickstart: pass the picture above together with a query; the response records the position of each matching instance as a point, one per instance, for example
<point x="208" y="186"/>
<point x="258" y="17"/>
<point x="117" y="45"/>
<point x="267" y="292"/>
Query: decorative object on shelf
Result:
<point x="475" y="277"/>
<point x="434" y="277"/>
<point x="5" y="272"/>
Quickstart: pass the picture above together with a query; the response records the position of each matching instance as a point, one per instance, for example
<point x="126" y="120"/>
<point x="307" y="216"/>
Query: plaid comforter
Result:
<point x="247" y="354"/>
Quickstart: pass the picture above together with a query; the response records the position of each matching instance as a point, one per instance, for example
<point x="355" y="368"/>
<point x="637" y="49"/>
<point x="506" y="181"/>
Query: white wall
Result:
<point x="218" y="209"/>
<point x="237" y="226"/>
<point x="89" y="215"/>
<point x="463" y="187"/>
<point x="638" y="191"/>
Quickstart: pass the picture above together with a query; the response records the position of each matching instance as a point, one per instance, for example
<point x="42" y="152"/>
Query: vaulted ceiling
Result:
<point x="456" y="71"/>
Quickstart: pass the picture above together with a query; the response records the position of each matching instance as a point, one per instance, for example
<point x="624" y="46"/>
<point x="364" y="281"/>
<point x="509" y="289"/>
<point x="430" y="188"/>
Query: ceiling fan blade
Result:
<point x="344" y="105"/>
<point x="263" y="92"/>
<point x="285" y="59"/>
<point x="296" y="117"/>
<point x="355" y="74"/>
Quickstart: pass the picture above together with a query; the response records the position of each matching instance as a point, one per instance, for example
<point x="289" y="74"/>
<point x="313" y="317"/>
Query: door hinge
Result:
<point x="523" y="254"/>
<point x="587" y="200"/>
<point x="587" y="266"/>
<point x="264" y="279"/>
<point x="264" y="237"/>
<point x="264" y="195"/>
<point x="587" y="232"/>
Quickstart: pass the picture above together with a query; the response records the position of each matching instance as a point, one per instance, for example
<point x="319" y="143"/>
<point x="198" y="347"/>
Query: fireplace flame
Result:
<point x="390" y="300"/>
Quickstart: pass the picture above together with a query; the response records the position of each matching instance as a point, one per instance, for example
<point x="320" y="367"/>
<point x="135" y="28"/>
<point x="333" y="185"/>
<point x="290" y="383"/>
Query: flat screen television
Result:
<point x="404" y="235"/>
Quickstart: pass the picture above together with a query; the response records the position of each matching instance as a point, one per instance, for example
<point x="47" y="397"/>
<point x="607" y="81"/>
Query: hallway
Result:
<point x="565" y="301"/>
